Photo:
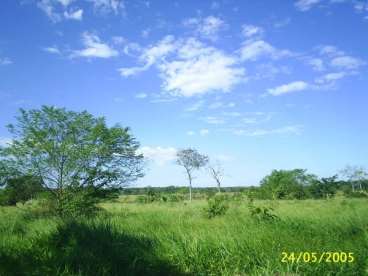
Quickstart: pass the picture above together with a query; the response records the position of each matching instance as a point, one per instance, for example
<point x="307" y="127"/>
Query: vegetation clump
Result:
<point x="216" y="206"/>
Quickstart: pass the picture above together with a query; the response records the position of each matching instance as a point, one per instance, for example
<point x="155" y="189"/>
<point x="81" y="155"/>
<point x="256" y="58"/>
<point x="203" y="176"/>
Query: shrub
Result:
<point x="261" y="213"/>
<point x="175" y="197"/>
<point x="75" y="203"/>
<point x="217" y="206"/>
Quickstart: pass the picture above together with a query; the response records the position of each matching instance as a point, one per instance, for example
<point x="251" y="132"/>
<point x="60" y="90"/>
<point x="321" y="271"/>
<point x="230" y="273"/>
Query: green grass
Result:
<point x="176" y="238"/>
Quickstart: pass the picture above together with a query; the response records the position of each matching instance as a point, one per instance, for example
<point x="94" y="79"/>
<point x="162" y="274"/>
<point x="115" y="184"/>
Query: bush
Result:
<point x="262" y="213"/>
<point x="217" y="206"/>
<point x="75" y="203"/>
<point x="356" y="194"/>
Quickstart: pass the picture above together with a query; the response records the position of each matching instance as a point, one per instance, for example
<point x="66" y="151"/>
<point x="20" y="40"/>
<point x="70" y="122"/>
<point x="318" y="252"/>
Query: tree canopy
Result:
<point x="70" y="149"/>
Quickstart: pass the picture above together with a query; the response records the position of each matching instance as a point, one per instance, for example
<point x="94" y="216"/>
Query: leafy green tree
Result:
<point x="21" y="189"/>
<point x="191" y="160"/>
<point x="287" y="183"/>
<point x="324" y="188"/>
<point x="66" y="149"/>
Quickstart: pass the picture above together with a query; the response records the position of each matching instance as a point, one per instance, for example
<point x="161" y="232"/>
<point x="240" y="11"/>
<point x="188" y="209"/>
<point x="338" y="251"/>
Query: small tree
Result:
<point x="287" y="183"/>
<point x="70" y="151"/>
<point x="217" y="172"/>
<point x="191" y="160"/>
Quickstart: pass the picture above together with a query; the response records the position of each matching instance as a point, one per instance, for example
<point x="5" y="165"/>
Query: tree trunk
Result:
<point x="190" y="190"/>
<point x="190" y="185"/>
<point x="218" y="186"/>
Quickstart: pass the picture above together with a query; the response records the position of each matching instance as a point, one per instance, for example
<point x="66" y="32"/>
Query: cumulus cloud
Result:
<point x="183" y="65"/>
<point x="159" y="155"/>
<point x="255" y="49"/>
<point x="108" y="6"/>
<point x="65" y="3"/>
<point x="47" y="6"/>
<point x="191" y="76"/>
<point x="206" y="27"/>
<point x="94" y="48"/>
<point x="316" y="63"/>
<point x="251" y="30"/>
<point x="52" y="50"/>
<point x="346" y="62"/>
<point x="331" y="78"/>
<point x="74" y="15"/>
<point x="305" y="5"/>
<point x="288" y="88"/>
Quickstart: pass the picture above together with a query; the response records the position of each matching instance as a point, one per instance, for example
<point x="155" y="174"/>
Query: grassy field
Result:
<point x="177" y="239"/>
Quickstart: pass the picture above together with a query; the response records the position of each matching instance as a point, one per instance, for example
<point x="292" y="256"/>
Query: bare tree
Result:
<point x="191" y="160"/>
<point x="217" y="172"/>
<point x="355" y="175"/>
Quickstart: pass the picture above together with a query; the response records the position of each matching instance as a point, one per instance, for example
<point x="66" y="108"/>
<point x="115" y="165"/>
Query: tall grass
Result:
<point x="177" y="238"/>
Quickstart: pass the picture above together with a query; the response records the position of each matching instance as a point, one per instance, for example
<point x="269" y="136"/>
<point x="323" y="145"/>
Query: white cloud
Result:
<point x="149" y="55"/>
<point x="141" y="96"/>
<point x="52" y="50"/>
<point x="190" y="76"/>
<point x="204" y="132"/>
<point x="159" y="155"/>
<point x="48" y="8"/>
<point x="5" y="61"/>
<point x="331" y="77"/>
<point x="207" y="27"/>
<point x="119" y="40"/>
<point x="292" y="129"/>
<point x="94" y="48"/>
<point x="190" y="133"/>
<point x="305" y="5"/>
<point x="288" y="88"/>
<point x="183" y="65"/>
<point x="316" y="63"/>
<point x="346" y="62"/>
<point x="251" y="30"/>
<point x="254" y="49"/>
<point x="108" y="6"/>
<point x="330" y="51"/>
<point x="65" y="3"/>
<point x="74" y="15"/>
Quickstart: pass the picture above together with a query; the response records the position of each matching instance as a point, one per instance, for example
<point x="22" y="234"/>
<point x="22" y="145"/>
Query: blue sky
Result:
<point x="257" y="85"/>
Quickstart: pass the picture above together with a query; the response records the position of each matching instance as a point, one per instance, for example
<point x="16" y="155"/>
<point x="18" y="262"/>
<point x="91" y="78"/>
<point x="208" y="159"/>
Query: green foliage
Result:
<point x="216" y="206"/>
<point x="76" y="202"/>
<point x="284" y="184"/>
<point x="324" y="188"/>
<point x="262" y="213"/>
<point x="70" y="149"/>
<point x="20" y="189"/>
